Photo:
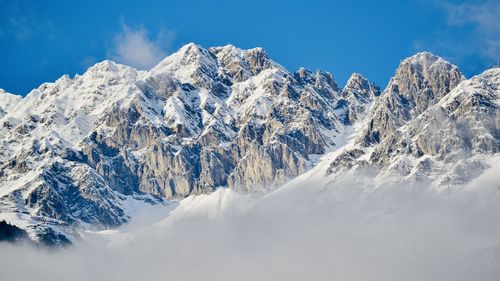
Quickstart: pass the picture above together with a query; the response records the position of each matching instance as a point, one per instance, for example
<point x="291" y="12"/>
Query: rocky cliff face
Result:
<point x="86" y="151"/>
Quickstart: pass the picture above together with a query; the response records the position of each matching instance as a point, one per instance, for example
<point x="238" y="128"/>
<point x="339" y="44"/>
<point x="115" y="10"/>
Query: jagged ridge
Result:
<point x="75" y="150"/>
<point x="83" y="151"/>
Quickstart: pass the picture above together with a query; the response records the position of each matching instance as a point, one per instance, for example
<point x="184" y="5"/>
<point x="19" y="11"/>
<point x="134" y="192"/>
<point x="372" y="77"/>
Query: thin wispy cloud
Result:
<point x="27" y="27"/>
<point x="485" y="14"/>
<point x="484" y="18"/>
<point x="136" y="47"/>
<point x="478" y="46"/>
<point x="88" y="61"/>
<point x="23" y="23"/>
<point x="22" y="29"/>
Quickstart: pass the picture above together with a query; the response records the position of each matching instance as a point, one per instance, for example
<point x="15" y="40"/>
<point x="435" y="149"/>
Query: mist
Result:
<point x="305" y="230"/>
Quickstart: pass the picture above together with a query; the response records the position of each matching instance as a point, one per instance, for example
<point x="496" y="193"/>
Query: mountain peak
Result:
<point x="355" y="79"/>
<point x="355" y="76"/>
<point x="257" y="50"/>
<point x="189" y="59"/>
<point x="422" y="58"/>
<point x="304" y="75"/>
<point x="427" y="66"/>
<point x="3" y="92"/>
<point x="303" y="72"/>
<point x="493" y="73"/>
<point x="426" y="60"/>
<point x="188" y="54"/>
<point x="360" y="86"/>
<point x="424" y="76"/>
<point x="190" y="48"/>
<point x="106" y="66"/>
<point x="241" y="64"/>
<point x="230" y="48"/>
<point x="7" y="101"/>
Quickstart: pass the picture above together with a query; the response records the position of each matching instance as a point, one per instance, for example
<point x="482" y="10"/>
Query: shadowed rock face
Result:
<point x="11" y="233"/>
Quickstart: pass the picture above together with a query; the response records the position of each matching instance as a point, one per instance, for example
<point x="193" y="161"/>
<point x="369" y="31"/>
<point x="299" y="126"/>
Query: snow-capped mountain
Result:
<point x="429" y="125"/>
<point x="87" y="151"/>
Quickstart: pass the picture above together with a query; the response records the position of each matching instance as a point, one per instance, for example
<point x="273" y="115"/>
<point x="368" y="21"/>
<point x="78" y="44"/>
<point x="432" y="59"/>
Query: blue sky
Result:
<point x="42" y="40"/>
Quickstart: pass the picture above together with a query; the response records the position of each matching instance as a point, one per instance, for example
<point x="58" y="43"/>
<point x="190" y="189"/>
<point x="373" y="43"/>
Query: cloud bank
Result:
<point x="302" y="232"/>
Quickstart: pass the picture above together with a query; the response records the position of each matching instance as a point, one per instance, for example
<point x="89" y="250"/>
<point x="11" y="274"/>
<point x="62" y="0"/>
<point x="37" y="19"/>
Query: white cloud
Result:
<point x="24" y="23"/>
<point x="485" y="14"/>
<point x="88" y="62"/>
<point x="26" y="27"/>
<point x="134" y="47"/>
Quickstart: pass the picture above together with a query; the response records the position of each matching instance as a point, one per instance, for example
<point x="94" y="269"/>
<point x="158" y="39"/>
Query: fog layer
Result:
<point x="304" y="231"/>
